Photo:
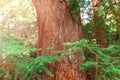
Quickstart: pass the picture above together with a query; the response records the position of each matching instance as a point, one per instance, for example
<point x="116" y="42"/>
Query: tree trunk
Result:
<point x="118" y="34"/>
<point x="56" y="26"/>
<point x="99" y="31"/>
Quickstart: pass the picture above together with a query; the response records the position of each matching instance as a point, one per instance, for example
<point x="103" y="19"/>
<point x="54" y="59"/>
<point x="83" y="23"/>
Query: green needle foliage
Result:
<point x="75" y="8"/>
<point x="18" y="60"/>
<point x="27" y="67"/>
<point x="108" y="59"/>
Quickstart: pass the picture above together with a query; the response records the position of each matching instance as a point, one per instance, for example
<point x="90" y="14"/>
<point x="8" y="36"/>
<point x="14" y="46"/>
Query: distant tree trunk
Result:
<point x="99" y="32"/>
<point x="98" y="24"/>
<point x="56" y="26"/>
<point x="117" y="36"/>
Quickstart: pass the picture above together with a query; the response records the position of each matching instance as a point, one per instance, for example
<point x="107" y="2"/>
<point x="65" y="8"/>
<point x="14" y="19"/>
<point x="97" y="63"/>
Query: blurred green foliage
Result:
<point x="19" y="52"/>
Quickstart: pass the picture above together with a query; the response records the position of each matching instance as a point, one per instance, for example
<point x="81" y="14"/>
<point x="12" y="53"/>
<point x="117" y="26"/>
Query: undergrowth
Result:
<point x="25" y="66"/>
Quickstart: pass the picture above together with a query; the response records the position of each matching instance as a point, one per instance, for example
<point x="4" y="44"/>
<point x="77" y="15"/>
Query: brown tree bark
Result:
<point x="118" y="34"/>
<point x="99" y="31"/>
<point x="56" y="26"/>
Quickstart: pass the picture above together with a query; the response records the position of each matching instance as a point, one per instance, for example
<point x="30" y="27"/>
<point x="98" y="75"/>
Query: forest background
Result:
<point x="75" y="40"/>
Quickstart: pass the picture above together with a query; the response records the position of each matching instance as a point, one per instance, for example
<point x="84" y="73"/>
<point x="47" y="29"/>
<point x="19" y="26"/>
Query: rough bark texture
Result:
<point x="57" y="26"/>
<point x="99" y="31"/>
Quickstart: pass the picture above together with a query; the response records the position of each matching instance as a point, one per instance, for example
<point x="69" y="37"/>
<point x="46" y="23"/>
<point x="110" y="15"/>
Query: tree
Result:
<point x="55" y="27"/>
<point x="98" y="23"/>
